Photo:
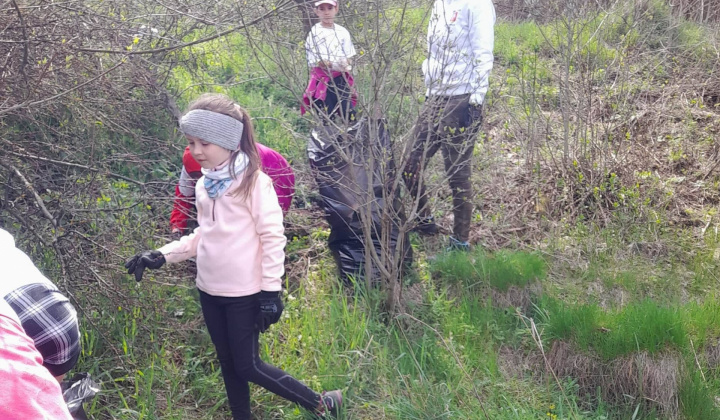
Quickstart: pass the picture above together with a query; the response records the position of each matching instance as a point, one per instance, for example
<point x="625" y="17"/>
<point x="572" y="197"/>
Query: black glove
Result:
<point x="271" y="308"/>
<point x="141" y="260"/>
<point x="475" y="115"/>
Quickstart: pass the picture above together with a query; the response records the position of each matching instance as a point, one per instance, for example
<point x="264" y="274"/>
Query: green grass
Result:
<point x="643" y="326"/>
<point x="514" y="40"/>
<point x="499" y="270"/>
<point x="703" y="321"/>
<point x="696" y="400"/>
<point x="429" y="365"/>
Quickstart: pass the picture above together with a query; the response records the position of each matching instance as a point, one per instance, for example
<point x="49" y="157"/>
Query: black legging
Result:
<point x="231" y="323"/>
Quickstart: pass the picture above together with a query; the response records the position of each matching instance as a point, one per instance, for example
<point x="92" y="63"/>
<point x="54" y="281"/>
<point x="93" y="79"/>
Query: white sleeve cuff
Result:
<point x="476" y="99"/>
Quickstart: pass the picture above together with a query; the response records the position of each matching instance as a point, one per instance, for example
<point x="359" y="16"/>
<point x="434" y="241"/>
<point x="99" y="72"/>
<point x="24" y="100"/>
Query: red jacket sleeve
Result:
<point x="182" y="208"/>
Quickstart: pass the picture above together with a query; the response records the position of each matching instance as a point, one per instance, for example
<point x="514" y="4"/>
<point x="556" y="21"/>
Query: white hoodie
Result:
<point x="460" y="48"/>
<point x="18" y="269"/>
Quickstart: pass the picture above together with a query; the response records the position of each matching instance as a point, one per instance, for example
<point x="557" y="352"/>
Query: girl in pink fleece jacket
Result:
<point x="239" y="249"/>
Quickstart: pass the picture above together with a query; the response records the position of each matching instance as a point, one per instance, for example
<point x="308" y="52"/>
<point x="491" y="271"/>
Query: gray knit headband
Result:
<point x="212" y="127"/>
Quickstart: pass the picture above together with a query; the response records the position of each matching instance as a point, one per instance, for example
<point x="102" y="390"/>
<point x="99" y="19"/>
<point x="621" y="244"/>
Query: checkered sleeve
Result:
<point x="50" y="320"/>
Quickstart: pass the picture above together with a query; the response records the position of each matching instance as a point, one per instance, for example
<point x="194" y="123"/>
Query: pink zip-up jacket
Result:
<point x="240" y="243"/>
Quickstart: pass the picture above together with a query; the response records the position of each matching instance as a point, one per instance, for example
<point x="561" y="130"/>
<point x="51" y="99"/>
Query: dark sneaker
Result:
<point x="426" y="226"/>
<point x="330" y="403"/>
<point x="456" y="245"/>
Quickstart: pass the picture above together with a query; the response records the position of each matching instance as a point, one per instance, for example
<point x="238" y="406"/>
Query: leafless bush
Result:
<point x="701" y="11"/>
<point x="589" y="129"/>
<point x="387" y="75"/>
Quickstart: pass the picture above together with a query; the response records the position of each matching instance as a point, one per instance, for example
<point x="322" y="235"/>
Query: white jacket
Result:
<point x="18" y="269"/>
<point x="330" y="44"/>
<point x="460" y="48"/>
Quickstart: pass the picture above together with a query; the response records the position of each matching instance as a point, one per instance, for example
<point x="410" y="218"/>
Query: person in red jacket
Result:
<point x="273" y="164"/>
<point x="28" y="389"/>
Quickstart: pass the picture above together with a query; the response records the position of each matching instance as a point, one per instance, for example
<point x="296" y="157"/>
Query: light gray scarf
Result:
<point x="218" y="181"/>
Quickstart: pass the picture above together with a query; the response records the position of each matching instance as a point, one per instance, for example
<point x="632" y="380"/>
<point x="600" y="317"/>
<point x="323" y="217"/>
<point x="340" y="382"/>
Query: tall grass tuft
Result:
<point x="696" y="401"/>
<point x="643" y="326"/>
<point x="499" y="270"/>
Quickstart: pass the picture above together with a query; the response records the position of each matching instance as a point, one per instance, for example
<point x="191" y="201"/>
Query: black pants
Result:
<point x="338" y="100"/>
<point x="444" y="124"/>
<point x="231" y="323"/>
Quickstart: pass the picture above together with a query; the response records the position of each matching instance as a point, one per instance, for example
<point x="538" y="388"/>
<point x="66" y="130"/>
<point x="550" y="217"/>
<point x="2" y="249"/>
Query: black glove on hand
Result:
<point x="475" y="114"/>
<point x="271" y="307"/>
<point x="141" y="260"/>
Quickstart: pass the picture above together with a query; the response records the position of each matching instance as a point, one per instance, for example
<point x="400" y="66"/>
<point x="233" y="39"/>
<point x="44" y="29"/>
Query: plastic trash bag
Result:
<point x="349" y="191"/>
<point x="76" y="391"/>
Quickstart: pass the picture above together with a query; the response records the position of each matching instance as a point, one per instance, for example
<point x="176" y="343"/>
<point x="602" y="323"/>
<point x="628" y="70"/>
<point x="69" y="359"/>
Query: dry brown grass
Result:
<point x="711" y="354"/>
<point x="639" y="379"/>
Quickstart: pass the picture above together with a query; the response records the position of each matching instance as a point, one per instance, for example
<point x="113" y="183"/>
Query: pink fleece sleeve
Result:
<point x="268" y="219"/>
<point x="283" y="180"/>
<point x="184" y="248"/>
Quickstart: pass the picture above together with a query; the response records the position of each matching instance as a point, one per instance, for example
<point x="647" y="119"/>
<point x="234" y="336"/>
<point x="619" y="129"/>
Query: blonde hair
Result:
<point x="222" y="104"/>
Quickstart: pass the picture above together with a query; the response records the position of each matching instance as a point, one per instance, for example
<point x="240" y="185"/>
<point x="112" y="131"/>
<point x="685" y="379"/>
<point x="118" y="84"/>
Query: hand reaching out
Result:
<point x="146" y="259"/>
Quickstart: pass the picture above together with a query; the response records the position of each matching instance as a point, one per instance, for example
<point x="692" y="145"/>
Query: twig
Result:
<point x="23" y="221"/>
<point x="63" y="93"/>
<point x="709" y="171"/>
<point x="30" y="188"/>
<point x="191" y="43"/>
<point x="697" y="361"/>
<point x="25" y="41"/>
<point x="75" y="165"/>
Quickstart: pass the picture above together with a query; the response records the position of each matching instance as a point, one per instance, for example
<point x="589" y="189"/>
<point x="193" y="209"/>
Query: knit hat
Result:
<point x="191" y="165"/>
<point x="212" y="127"/>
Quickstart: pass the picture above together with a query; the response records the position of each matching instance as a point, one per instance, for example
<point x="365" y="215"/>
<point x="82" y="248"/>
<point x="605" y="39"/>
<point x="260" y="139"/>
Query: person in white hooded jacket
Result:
<point x="46" y="315"/>
<point x="460" y="57"/>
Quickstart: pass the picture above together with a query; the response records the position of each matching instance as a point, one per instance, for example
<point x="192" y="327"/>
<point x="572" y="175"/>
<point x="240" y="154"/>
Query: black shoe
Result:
<point x="426" y="226"/>
<point x="330" y="403"/>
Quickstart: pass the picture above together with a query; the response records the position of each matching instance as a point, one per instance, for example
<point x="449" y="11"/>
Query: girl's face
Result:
<point x="326" y="13"/>
<point x="208" y="155"/>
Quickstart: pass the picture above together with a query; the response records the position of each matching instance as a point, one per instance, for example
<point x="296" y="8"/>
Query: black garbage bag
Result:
<point x="350" y="189"/>
<point x="79" y="389"/>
